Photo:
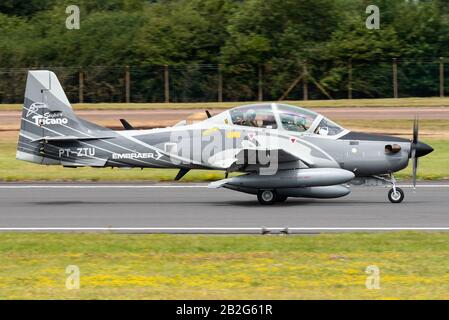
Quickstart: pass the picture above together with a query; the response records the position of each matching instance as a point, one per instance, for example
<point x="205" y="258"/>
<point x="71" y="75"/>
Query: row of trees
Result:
<point x="193" y="37"/>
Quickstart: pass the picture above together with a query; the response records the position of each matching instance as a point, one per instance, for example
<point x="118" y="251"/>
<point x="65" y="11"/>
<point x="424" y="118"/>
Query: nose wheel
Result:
<point x="396" y="196"/>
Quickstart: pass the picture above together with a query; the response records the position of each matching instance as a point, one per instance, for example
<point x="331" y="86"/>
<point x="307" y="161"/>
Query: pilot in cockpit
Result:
<point x="249" y="119"/>
<point x="300" y="123"/>
<point x="238" y="118"/>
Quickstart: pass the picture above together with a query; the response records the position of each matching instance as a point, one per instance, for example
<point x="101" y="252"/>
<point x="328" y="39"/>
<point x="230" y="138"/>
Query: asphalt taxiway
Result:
<point x="198" y="209"/>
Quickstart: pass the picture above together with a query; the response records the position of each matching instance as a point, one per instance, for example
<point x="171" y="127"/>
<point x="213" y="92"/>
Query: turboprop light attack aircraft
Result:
<point x="281" y="150"/>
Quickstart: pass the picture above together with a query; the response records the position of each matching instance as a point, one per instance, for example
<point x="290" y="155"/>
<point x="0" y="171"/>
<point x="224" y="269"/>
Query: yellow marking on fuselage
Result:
<point x="233" y="134"/>
<point x="210" y="131"/>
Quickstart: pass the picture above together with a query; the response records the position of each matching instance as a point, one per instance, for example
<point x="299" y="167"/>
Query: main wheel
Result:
<point x="396" y="197"/>
<point x="281" y="198"/>
<point x="266" y="197"/>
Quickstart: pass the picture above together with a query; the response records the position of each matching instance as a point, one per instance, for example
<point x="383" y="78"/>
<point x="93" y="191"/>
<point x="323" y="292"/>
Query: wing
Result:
<point x="241" y="159"/>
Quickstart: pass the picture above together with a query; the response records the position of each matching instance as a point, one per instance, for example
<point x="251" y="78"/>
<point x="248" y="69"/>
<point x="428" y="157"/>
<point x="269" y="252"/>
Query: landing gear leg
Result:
<point x="396" y="194"/>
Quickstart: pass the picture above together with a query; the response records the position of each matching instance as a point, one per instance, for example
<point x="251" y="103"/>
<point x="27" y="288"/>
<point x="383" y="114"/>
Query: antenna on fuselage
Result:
<point x="126" y="125"/>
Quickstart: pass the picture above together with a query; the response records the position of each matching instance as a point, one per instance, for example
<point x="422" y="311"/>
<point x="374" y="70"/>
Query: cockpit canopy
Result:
<point x="286" y="117"/>
<point x="260" y="116"/>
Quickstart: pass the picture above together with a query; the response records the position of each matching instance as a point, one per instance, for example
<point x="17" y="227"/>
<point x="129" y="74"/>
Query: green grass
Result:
<point x="327" y="266"/>
<point x="435" y="127"/>
<point x="402" y="102"/>
<point x="432" y="167"/>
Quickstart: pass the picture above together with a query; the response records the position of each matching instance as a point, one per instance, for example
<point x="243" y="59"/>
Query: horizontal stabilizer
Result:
<point x="69" y="138"/>
<point x="85" y="163"/>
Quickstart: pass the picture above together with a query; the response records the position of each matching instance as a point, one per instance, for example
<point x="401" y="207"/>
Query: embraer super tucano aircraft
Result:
<point x="281" y="150"/>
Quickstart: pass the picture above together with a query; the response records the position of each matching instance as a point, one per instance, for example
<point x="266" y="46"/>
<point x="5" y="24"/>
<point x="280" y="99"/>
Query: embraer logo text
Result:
<point x="136" y="155"/>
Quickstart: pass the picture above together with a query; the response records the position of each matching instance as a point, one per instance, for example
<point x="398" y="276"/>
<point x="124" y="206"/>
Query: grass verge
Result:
<point x="326" y="266"/>
<point x="402" y="102"/>
<point x="432" y="167"/>
<point x="433" y="128"/>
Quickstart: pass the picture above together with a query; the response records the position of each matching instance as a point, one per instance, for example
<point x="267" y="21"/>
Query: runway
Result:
<point x="197" y="209"/>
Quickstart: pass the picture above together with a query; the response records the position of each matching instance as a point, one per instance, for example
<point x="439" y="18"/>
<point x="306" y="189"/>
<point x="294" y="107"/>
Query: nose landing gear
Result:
<point x="395" y="194"/>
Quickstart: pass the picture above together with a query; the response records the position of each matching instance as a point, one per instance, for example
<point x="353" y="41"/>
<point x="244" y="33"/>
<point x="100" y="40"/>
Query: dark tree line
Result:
<point x="196" y="38"/>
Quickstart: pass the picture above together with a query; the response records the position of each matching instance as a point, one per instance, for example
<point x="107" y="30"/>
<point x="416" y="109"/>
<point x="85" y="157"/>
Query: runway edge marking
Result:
<point x="97" y="187"/>
<point x="224" y="229"/>
<point x="153" y="186"/>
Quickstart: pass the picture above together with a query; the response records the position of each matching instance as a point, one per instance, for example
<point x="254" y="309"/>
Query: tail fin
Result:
<point x="47" y="115"/>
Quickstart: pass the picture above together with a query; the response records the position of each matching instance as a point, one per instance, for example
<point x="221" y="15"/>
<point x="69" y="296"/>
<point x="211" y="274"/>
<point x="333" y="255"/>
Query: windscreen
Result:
<point x="296" y="119"/>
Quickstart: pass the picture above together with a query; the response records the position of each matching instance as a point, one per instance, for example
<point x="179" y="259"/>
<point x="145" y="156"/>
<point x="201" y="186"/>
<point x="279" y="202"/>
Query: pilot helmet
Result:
<point x="250" y="115"/>
<point x="300" y="121"/>
<point x="239" y="116"/>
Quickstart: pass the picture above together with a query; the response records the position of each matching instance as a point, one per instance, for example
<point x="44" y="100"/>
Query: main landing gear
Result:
<point x="267" y="197"/>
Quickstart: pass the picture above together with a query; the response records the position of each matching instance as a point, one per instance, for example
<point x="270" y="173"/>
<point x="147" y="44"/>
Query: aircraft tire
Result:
<point x="266" y="197"/>
<point x="281" y="198"/>
<point x="396" y="198"/>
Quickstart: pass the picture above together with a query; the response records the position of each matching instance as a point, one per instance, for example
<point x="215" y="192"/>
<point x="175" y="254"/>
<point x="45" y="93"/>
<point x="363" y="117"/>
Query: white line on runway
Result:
<point x="157" y="186"/>
<point x="97" y="187"/>
<point x="205" y="229"/>
<point x="423" y="186"/>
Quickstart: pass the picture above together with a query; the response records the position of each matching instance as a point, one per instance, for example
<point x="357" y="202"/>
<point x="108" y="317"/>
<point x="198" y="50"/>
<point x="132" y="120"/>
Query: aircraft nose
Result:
<point x="422" y="149"/>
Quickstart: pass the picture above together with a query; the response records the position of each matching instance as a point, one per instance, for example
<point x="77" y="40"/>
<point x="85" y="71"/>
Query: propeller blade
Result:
<point x="415" y="168"/>
<point x="413" y="150"/>
<point x="415" y="130"/>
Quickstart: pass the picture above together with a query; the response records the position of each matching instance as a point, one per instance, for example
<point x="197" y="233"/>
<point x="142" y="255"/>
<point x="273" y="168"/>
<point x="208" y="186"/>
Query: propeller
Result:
<point x="414" y="147"/>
